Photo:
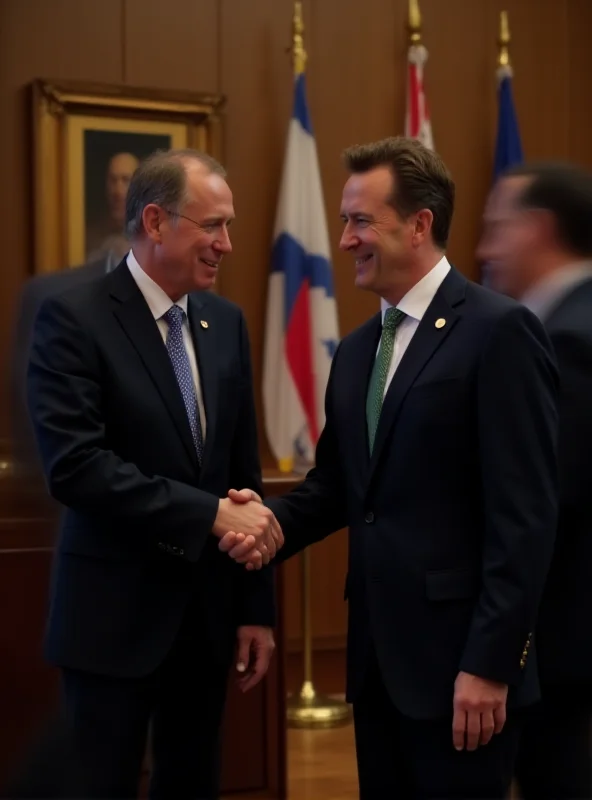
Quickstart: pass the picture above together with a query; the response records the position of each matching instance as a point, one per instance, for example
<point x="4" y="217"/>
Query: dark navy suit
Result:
<point x="556" y="756"/>
<point x="451" y="528"/>
<point x="144" y="608"/>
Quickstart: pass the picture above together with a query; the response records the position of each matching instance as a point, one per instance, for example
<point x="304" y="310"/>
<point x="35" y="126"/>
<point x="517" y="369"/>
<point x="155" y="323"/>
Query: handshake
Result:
<point x="248" y="531"/>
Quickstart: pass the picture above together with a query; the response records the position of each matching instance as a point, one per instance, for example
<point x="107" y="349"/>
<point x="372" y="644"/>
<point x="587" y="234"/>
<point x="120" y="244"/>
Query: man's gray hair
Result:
<point x="162" y="179"/>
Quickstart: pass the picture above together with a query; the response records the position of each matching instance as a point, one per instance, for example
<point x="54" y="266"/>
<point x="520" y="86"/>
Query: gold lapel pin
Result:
<point x="203" y="323"/>
<point x="440" y="323"/>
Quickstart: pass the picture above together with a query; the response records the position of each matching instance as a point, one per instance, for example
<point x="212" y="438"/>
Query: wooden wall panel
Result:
<point x="579" y="89"/>
<point x="174" y="44"/>
<point x="58" y="39"/>
<point x="355" y="94"/>
<point x="28" y="688"/>
<point x="540" y="55"/>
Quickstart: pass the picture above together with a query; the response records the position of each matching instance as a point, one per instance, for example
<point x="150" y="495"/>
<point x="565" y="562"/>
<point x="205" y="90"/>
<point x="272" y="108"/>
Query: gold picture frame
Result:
<point x="69" y="119"/>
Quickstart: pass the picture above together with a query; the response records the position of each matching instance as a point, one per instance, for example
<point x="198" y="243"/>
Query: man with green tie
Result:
<point x="439" y="454"/>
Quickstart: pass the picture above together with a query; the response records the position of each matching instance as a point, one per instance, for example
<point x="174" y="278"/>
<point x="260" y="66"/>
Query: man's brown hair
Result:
<point x="421" y="179"/>
<point x="162" y="179"/>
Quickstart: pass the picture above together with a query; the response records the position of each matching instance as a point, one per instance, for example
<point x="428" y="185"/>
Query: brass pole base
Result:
<point x="311" y="710"/>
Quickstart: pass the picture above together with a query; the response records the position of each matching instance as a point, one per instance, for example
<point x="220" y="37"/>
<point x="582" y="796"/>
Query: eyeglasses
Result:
<point x="210" y="228"/>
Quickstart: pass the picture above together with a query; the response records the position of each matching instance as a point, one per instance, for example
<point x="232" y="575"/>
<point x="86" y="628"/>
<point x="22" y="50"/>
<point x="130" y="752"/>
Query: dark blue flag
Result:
<point x="508" y="148"/>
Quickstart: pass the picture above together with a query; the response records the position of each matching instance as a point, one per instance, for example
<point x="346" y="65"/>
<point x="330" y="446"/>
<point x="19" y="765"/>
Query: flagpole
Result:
<point x="309" y="709"/>
<point x="414" y="23"/>
<point x="503" y="59"/>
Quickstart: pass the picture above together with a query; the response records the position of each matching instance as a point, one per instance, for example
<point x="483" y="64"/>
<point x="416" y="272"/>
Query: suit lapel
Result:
<point x="425" y="342"/>
<point x="204" y="339"/>
<point x="137" y="321"/>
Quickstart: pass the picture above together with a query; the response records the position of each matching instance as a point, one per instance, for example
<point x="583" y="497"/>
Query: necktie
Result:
<point x="180" y="360"/>
<point x="392" y="320"/>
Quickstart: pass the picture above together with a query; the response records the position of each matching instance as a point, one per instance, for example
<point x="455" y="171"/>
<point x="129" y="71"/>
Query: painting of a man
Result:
<point x="110" y="160"/>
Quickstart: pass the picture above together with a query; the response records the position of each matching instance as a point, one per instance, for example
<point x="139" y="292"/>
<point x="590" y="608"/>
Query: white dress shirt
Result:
<point x="159" y="303"/>
<point x="414" y="304"/>
<point x="550" y="291"/>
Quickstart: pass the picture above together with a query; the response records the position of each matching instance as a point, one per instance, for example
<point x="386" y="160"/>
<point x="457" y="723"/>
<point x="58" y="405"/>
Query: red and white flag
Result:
<point x="417" y="118"/>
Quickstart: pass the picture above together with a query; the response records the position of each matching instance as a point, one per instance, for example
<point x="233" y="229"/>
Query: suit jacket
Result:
<point x="564" y="633"/>
<point x="136" y="547"/>
<point x="452" y="519"/>
<point x="35" y="291"/>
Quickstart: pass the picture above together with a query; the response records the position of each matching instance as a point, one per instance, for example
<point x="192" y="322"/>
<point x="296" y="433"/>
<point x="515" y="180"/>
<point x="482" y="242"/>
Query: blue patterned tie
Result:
<point x="180" y="360"/>
<point x="375" y="396"/>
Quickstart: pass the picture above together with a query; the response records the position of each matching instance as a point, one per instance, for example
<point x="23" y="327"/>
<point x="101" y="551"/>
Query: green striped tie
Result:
<point x="392" y="319"/>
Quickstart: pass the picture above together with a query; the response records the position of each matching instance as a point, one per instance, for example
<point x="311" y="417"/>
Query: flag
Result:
<point x="301" y="332"/>
<point x="508" y="148"/>
<point x="417" y="117"/>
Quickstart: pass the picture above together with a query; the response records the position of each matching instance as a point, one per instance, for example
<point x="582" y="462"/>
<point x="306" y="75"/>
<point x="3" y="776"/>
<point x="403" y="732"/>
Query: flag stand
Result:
<point x="309" y="709"/>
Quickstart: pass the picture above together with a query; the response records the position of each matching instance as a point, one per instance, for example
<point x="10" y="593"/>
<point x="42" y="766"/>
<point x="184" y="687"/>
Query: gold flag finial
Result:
<point x="503" y="59"/>
<point x="298" y="51"/>
<point x="414" y="23"/>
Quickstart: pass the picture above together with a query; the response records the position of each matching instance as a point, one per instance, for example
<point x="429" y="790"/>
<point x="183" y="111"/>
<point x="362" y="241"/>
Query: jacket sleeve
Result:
<point x="64" y="399"/>
<point x="574" y="357"/>
<point x="517" y="395"/>
<point x="317" y="507"/>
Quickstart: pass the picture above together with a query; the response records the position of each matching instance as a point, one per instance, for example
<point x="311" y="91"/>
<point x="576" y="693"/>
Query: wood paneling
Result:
<point x="57" y="39"/>
<point x="28" y="687"/>
<point x="579" y="89"/>
<point x="355" y="94"/>
<point x="540" y="56"/>
<point x="171" y="44"/>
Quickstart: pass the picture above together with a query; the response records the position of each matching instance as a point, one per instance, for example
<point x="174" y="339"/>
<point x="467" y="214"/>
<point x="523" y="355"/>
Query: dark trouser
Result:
<point x="399" y="757"/>
<point x="182" y="704"/>
<point x="555" y="755"/>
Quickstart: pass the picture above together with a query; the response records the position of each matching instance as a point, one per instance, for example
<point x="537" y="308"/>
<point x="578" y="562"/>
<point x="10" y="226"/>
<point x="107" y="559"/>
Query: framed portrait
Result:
<point x="88" y="140"/>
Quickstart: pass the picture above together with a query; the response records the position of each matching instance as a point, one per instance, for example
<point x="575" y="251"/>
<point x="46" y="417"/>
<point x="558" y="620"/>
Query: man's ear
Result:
<point x="152" y="220"/>
<point x="423" y="226"/>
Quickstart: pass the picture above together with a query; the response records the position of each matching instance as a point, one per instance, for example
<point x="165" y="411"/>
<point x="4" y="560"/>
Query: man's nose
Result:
<point x="348" y="240"/>
<point x="223" y="243"/>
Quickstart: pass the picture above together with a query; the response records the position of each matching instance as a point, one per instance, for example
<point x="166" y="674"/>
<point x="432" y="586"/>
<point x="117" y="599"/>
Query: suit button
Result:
<point x="369" y="518"/>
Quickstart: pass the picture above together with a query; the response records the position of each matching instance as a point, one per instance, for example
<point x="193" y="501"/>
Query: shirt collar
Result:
<point x="417" y="300"/>
<point x="158" y="300"/>
<point x="549" y="291"/>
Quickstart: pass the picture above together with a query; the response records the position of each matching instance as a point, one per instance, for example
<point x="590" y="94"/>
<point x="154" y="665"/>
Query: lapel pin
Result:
<point x="440" y="323"/>
<point x="203" y="323"/>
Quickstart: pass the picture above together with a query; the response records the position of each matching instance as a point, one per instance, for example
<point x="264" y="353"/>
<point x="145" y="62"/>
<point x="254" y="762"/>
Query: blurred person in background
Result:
<point x="35" y="291"/>
<point x="537" y="247"/>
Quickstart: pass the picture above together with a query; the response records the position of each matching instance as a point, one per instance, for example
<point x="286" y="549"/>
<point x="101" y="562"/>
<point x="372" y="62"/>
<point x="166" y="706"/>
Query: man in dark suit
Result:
<point x="537" y="243"/>
<point x="141" y="397"/>
<point x="439" y="454"/>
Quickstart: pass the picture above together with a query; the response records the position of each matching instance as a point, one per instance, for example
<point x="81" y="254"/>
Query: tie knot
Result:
<point x="174" y="316"/>
<point x="392" y="319"/>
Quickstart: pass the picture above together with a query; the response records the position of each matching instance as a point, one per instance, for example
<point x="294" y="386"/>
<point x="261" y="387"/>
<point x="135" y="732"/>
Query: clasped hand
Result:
<point x="248" y="531"/>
